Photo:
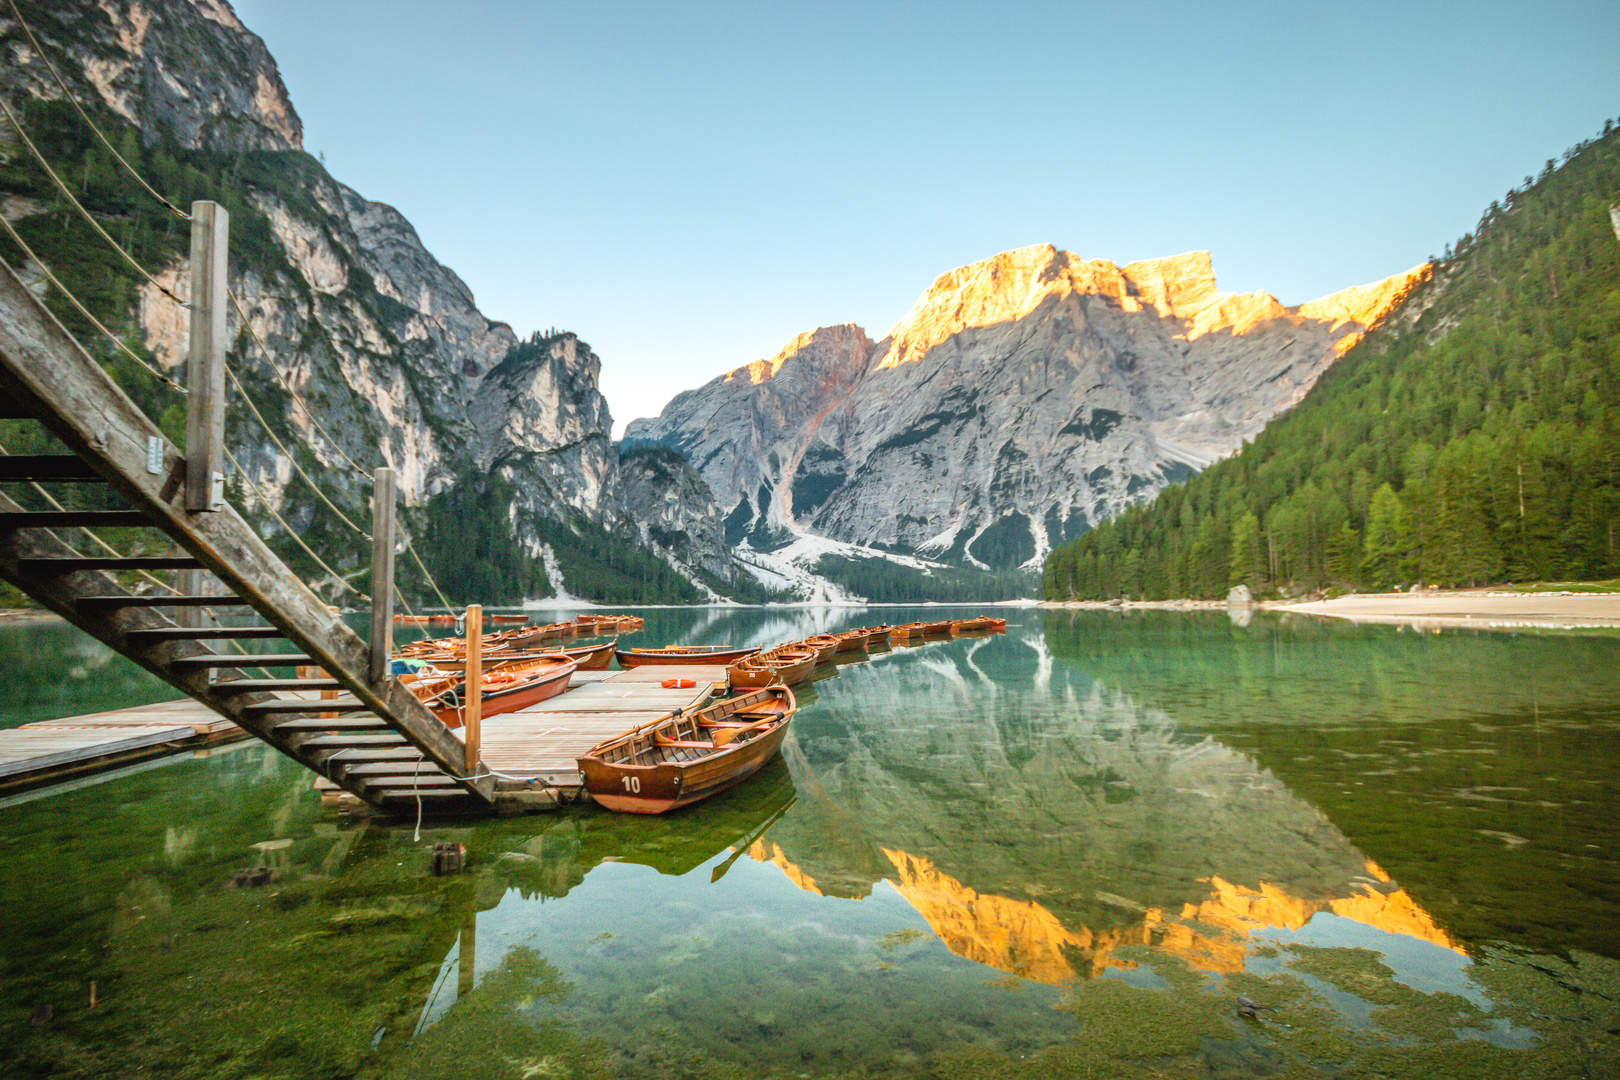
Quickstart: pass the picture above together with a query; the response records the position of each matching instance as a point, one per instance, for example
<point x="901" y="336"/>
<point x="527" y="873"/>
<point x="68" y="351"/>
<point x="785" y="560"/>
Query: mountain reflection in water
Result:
<point x="1056" y="852"/>
<point x="1039" y="822"/>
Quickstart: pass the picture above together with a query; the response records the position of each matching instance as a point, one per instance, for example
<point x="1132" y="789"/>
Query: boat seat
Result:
<point x="659" y="740"/>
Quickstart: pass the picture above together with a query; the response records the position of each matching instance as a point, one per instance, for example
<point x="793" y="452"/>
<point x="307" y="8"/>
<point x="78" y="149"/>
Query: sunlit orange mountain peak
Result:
<point x="1026" y="939"/>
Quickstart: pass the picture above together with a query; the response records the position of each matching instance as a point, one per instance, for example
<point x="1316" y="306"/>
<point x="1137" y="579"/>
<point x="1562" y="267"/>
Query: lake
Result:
<point x="1063" y="851"/>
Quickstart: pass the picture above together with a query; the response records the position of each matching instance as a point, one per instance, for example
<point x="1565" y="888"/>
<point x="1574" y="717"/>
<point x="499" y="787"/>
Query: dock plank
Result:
<point x="28" y="750"/>
<point x="202" y="719"/>
<point x="546" y="740"/>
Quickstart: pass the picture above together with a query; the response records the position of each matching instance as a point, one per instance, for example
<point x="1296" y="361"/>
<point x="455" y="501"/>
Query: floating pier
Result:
<point x="534" y="752"/>
<point x="51" y="750"/>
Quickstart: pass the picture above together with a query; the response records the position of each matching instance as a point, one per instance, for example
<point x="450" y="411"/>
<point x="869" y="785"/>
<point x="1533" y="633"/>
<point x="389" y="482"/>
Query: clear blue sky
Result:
<point x="687" y="185"/>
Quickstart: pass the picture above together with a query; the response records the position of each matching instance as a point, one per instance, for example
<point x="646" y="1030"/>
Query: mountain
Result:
<point x="1473" y="437"/>
<point x="374" y="352"/>
<point x="1023" y="399"/>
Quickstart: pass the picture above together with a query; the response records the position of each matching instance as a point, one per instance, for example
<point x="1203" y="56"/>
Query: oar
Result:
<point x="730" y="734"/>
<point x="747" y="842"/>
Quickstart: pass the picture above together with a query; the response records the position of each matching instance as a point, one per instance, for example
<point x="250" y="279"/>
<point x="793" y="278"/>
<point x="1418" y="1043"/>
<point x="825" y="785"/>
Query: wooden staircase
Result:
<point x="374" y="740"/>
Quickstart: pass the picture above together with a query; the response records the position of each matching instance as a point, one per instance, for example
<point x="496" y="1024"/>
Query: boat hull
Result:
<point x="684" y="758"/>
<point x="592" y="657"/>
<point x="519" y="695"/>
<point x="670" y="787"/>
<point x="629" y="658"/>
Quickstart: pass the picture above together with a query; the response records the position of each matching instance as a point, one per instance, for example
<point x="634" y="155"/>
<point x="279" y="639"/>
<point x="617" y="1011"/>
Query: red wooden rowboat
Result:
<point x="494" y="619"/>
<point x="676" y="761"/>
<point x="516" y="685"/>
<point x="941" y="627"/>
<point x="681" y="654"/>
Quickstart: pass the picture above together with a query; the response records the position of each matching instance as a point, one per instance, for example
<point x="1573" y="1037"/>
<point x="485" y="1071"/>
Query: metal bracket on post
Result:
<point x="205" y="369"/>
<point x="382" y="573"/>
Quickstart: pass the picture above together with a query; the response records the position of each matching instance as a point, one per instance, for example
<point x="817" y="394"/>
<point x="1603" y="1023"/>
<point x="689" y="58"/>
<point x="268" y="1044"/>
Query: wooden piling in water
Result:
<point x="472" y="694"/>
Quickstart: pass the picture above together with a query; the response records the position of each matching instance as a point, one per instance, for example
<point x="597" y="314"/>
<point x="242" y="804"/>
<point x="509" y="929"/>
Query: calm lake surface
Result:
<point x="1062" y="851"/>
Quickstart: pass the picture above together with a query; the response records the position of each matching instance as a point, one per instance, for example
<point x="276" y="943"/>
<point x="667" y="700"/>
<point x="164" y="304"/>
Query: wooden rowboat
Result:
<point x="785" y="664"/>
<point x="592" y="657"/>
<point x="680" y="759"/>
<point x="852" y="641"/>
<point x="824" y="645"/>
<point x="878" y="635"/>
<point x="968" y="626"/>
<point x="681" y="654"/>
<point x="508" y="688"/>
<point x="506" y="620"/>
<point x="939" y="628"/>
<point x="906" y="631"/>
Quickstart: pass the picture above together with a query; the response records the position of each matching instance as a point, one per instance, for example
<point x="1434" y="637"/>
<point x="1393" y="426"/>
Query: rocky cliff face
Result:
<point x="1023" y="399"/>
<point x="189" y="70"/>
<point x="674" y="510"/>
<point x="389" y="360"/>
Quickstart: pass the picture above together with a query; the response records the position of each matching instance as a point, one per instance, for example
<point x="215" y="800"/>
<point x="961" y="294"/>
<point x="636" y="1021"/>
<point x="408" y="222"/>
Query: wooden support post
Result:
<point x="205" y="367"/>
<point x="189" y="582"/>
<point x="382" y="573"/>
<point x="472" y="694"/>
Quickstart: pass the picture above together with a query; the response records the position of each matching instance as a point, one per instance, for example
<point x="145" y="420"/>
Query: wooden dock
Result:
<point x="47" y="751"/>
<point x="534" y="752"/>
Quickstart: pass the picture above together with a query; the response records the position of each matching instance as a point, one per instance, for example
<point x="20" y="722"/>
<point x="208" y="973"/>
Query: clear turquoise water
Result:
<point x="1061" y="851"/>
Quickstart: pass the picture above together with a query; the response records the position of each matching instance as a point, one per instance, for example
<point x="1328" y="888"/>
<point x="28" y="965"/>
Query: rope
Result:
<point x="28" y="253"/>
<point x="68" y="94"/>
<point x="309" y="413"/>
<point x="67" y="194"/>
<point x="109" y="549"/>
<point x="265" y="349"/>
<point x="264" y="500"/>
<point x="242" y="314"/>
<point x="293" y="461"/>
<point x="435" y="585"/>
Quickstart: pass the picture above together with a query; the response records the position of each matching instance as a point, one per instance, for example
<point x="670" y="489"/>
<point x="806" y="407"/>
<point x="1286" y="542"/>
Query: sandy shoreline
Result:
<point x="1479" y="608"/>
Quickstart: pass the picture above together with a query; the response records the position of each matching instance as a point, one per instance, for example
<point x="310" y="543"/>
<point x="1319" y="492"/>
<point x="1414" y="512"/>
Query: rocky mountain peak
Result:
<point x="1023" y="398"/>
<point x="1361" y="306"/>
<point x="188" y="68"/>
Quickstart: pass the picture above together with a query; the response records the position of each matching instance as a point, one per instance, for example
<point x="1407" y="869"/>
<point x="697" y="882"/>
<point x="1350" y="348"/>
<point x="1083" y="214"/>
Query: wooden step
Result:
<point x="425" y="793"/>
<point x="331" y="723"/>
<point x="198" y="633"/>
<point x="389" y="768"/>
<point x="68" y="519"/>
<point x="433" y="779"/>
<point x="350" y="757"/>
<point x="307" y="705"/>
<point x="237" y="660"/>
<point x="114" y="603"/>
<point x="44" y="567"/>
<point x="22" y="467"/>
<point x="327" y="742"/>
<point x="267" y="686"/>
